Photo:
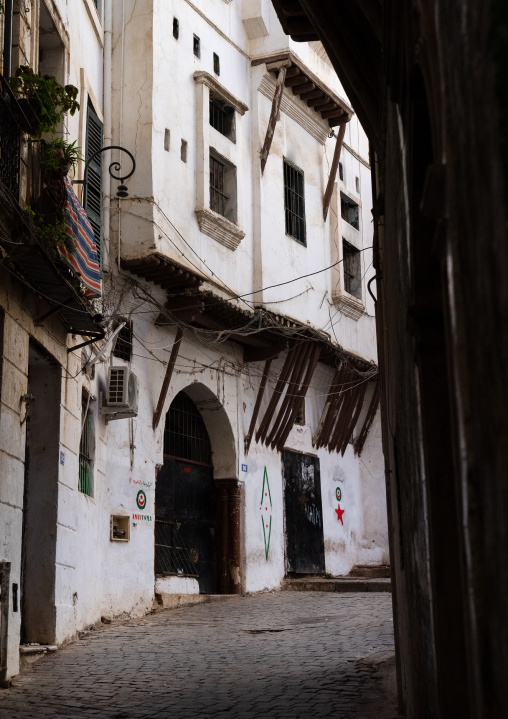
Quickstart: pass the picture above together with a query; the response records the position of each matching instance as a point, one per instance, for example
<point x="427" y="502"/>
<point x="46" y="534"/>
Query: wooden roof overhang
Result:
<point x="351" y="33"/>
<point x="308" y="87"/>
<point x="262" y="334"/>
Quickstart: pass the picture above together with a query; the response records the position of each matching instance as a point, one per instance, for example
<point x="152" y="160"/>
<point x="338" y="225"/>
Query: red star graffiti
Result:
<point x="339" y="512"/>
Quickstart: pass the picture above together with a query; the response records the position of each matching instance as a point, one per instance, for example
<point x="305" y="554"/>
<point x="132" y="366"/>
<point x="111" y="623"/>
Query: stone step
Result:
<point x="381" y="571"/>
<point x="337" y="584"/>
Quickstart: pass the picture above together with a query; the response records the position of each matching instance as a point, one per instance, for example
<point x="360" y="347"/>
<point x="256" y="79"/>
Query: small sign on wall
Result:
<point x="62" y="457"/>
<point x="244" y="467"/>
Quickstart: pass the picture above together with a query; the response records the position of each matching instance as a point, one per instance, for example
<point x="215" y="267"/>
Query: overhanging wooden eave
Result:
<point x="305" y="84"/>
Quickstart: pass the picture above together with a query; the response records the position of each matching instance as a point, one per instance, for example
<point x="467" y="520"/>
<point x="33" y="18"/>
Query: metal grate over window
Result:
<point x="171" y="554"/>
<point x="123" y="346"/>
<point x="294" y="202"/>
<point x="217" y="195"/>
<point x="185" y="435"/>
<point x="222" y="118"/>
<point x="86" y="446"/>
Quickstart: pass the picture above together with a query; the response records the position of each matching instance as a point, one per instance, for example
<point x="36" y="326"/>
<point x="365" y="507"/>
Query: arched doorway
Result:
<point x="186" y="536"/>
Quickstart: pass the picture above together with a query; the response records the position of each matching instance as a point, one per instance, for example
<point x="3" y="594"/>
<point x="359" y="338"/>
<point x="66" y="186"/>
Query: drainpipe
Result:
<point x="108" y="140"/>
<point x="7" y="69"/>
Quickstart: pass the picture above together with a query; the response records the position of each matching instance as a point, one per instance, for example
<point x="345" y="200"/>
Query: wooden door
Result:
<point x="305" y="550"/>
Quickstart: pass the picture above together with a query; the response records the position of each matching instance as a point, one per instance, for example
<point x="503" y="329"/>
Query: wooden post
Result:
<point x="333" y="170"/>
<point x="167" y="378"/>
<point x="255" y="413"/>
<point x="274" y="115"/>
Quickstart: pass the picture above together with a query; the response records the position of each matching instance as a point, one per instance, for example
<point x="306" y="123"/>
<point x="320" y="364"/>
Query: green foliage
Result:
<point x="51" y="233"/>
<point x="328" y="575"/>
<point x="58" y="156"/>
<point x="50" y="100"/>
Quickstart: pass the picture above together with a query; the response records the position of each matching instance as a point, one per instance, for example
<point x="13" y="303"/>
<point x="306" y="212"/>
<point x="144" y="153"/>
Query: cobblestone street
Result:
<point x="285" y="654"/>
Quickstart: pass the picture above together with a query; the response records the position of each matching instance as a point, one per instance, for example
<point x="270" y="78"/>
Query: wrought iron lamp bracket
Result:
<point x="113" y="167"/>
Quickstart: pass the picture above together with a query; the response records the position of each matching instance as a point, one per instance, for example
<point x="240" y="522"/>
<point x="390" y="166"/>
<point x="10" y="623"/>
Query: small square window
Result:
<point x="300" y="416"/>
<point x="357" y="184"/>
<point x="167" y="139"/>
<point x="294" y="202"/>
<point x="123" y="345"/>
<point x="222" y="117"/>
<point x="341" y="172"/>
<point x="216" y="64"/>
<point x="222" y="187"/>
<point x="349" y="211"/>
<point x="176" y="28"/>
<point x="196" y="46"/>
<point x="352" y="270"/>
<point x="183" y="151"/>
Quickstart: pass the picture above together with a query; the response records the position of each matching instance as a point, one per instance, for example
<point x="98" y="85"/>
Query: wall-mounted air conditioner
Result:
<point x="121" y="397"/>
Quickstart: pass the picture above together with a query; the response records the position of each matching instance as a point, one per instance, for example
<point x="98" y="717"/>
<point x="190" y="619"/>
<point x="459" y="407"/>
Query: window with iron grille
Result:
<point x="222" y="186"/>
<point x="86" y="447"/>
<point x="222" y="117"/>
<point x="294" y="202"/>
<point x="185" y="435"/>
<point x="349" y="211"/>
<point x="93" y="204"/>
<point x="352" y="269"/>
<point x="123" y="346"/>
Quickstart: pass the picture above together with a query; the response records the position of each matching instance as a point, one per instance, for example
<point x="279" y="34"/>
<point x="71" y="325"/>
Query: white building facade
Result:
<point x="241" y="442"/>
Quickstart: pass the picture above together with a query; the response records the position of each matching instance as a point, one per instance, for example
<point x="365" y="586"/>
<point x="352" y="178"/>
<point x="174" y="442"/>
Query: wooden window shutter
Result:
<point x="93" y="206"/>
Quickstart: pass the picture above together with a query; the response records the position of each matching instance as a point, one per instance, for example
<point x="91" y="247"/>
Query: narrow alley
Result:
<point x="284" y="654"/>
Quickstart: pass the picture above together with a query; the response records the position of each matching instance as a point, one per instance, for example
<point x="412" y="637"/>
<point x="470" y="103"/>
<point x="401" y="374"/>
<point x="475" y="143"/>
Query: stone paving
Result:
<point x="271" y="655"/>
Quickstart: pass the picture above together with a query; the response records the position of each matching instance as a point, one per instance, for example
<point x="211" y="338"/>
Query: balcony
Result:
<point x="27" y="253"/>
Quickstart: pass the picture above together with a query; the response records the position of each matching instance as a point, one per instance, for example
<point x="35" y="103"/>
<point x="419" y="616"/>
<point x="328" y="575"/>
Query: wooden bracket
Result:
<point x="275" y="113"/>
<point x="167" y="378"/>
<point x="255" y="413"/>
<point x="333" y="170"/>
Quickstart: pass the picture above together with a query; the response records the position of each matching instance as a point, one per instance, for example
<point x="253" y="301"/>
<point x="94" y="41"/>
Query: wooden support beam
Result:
<point x="374" y="403"/>
<point x="281" y="381"/>
<point x="314" y="94"/>
<point x="337" y="120"/>
<point x="298" y="80"/>
<point x="293" y="71"/>
<point x="327" y="105"/>
<point x="292" y="389"/>
<point x="333" y="170"/>
<point x="350" y="427"/>
<point x="330" y="114"/>
<point x="259" y="398"/>
<point x="300" y="397"/>
<point x="316" y="440"/>
<point x="318" y="101"/>
<point x="274" y="116"/>
<point x="167" y="378"/>
<point x="306" y="87"/>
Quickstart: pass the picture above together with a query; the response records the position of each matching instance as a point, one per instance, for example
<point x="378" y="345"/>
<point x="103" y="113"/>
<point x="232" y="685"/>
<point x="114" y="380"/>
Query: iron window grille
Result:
<point x="352" y="270"/>
<point x="222" y="118"/>
<point x="294" y="202"/>
<point x="218" y="197"/>
<point x="10" y="135"/>
<point x="123" y="346"/>
<point x="171" y="555"/>
<point x="86" y="447"/>
<point x="185" y="435"/>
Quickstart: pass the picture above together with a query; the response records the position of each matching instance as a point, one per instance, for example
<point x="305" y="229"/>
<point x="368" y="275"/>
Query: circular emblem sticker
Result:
<point x="141" y="499"/>
<point x="338" y="493"/>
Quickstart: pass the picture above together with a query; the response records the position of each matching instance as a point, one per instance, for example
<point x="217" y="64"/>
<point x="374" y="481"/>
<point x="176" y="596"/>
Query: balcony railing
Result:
<point x="10" y="141"/>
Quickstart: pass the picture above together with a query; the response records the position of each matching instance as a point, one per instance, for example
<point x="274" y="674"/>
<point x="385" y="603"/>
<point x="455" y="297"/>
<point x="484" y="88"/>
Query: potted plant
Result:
<point x="42" y="101"/>
<point x="57" y="158"/>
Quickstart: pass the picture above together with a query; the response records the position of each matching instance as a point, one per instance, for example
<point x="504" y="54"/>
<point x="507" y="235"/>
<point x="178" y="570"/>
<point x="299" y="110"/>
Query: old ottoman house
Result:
<point x="200" y="416"/>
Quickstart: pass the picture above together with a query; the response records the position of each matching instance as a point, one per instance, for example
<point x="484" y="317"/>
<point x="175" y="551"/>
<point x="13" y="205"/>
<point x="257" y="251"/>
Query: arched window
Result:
<point x="185" y="435"/>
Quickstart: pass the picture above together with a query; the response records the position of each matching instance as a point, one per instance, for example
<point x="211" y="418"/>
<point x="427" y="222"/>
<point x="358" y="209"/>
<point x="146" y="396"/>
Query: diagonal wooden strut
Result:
<point x="333" y="170"/>
<point x="261" y="391"/>
<point x="274" y="115"/>
<point x="167" y="378"/>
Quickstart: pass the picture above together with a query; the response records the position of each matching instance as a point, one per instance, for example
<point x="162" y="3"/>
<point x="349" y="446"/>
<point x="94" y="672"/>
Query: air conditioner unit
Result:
<point x="121" y="399"/>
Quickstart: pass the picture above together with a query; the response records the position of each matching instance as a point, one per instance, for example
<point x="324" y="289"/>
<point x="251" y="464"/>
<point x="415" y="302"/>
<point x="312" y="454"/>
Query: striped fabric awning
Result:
<point x="83" y="260"/>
